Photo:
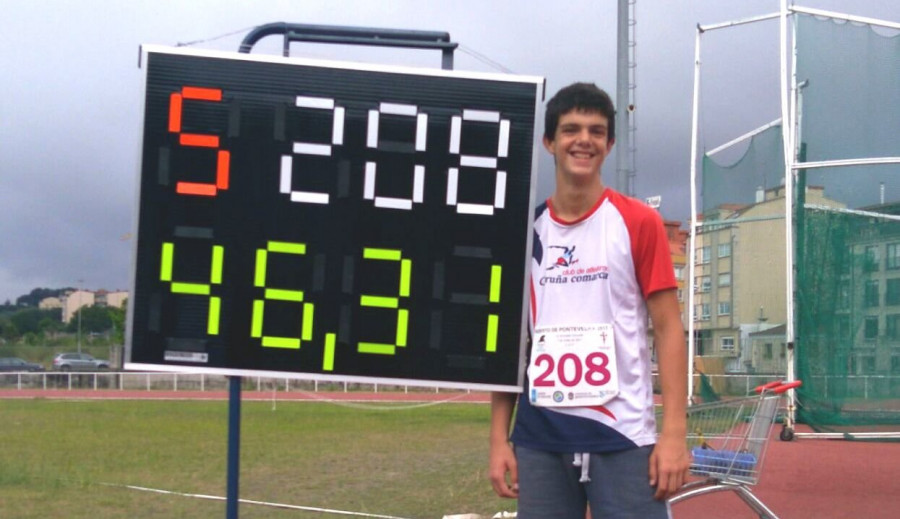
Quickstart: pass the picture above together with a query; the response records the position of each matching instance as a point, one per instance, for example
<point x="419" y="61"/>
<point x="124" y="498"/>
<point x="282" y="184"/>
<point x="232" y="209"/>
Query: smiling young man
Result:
<point x="585" y="430"/>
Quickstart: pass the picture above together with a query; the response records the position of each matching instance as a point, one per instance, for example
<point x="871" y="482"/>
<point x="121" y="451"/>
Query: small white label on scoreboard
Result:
<point x="187" y="356"/>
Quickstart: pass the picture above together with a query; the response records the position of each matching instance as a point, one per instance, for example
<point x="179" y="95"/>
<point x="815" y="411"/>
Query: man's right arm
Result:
<point x="502" y="457"/>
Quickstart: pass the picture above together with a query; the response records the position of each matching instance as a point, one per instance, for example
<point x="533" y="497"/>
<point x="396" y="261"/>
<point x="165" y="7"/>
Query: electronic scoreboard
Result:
<point x="333" y="221"/>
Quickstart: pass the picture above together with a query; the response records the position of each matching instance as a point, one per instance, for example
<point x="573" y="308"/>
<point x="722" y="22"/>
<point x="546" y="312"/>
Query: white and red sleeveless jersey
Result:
<point x="598" y="269"/>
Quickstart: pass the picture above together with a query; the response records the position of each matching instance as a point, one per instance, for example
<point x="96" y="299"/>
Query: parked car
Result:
<point x="78" y="362"/>
<point x="17" y="364"/>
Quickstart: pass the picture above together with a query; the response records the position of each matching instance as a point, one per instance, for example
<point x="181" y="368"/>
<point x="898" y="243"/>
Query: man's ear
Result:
<point x="548" y="145"/>
<point x="610" y="144"/>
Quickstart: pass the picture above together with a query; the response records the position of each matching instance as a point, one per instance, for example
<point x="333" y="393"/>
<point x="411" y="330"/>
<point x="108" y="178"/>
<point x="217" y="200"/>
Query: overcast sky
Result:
<point x="70" y="96"/>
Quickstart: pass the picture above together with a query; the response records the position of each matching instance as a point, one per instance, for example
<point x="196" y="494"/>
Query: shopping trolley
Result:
<point x="728" y="441"/>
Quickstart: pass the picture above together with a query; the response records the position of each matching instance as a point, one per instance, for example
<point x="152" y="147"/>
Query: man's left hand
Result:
<point x="669" y="466"/>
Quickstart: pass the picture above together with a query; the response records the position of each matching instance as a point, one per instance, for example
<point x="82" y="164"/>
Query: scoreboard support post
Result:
<point x="234" y="446"/>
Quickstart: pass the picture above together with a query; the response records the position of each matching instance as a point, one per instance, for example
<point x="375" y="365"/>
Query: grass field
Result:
<point x="72" y="459"/>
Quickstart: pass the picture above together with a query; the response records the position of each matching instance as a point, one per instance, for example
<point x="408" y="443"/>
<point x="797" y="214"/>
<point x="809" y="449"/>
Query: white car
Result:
<point x="78" y="362"/>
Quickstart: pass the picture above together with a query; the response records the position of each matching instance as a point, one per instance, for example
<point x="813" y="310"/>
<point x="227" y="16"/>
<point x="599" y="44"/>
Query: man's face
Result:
<point x="580" y="144"/>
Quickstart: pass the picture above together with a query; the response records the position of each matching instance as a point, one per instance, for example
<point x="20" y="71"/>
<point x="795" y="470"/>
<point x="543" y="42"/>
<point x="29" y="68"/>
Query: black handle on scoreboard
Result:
<point x="353" y="36"/>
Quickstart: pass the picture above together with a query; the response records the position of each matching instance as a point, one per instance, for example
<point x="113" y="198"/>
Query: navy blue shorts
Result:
<point x="619" y="487"/>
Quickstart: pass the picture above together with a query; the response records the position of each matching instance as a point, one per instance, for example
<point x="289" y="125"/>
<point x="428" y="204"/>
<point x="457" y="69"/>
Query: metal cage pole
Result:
<point x="694" y="224"/>
<point x="788" y="85"/>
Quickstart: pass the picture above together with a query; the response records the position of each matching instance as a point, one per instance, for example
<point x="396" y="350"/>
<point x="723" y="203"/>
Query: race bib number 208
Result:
<point x="573" y="366"/>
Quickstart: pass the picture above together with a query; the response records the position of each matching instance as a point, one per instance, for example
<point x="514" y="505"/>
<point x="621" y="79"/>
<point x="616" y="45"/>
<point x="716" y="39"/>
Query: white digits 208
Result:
<point x="418" y="169"/>
<point x="310" y="148"/>
<point x="478" y="162"/>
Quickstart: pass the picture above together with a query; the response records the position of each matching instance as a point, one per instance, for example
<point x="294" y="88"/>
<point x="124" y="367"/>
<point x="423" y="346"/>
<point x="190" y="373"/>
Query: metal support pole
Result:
<point x="788" y="88"/>
<point x="694" y="224"/>
<point x="234" y="446"/>
<point x="622" y="137"/>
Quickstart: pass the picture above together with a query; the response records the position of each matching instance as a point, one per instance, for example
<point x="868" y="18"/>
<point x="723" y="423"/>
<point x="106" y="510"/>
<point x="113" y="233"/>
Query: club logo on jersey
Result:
<point x="570" y="273"/>
<point x="567" y="259"/>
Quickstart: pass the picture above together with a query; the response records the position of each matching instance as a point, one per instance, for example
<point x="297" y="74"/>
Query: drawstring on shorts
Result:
<point x="583" y="460"/>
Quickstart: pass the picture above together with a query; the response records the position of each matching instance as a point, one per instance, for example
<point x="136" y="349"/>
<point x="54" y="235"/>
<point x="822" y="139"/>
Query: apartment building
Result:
<point x="868" y="296"/>
<point x="678" y="243"/>
<point x="740" y="281"/>
<point x="49" y="303"/>
<point x="114" y="299"/>
<point x="72" y="301"/>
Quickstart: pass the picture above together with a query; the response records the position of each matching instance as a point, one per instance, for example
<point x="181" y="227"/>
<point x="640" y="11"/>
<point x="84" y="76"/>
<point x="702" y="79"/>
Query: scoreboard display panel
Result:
<point x="333" y="221"/>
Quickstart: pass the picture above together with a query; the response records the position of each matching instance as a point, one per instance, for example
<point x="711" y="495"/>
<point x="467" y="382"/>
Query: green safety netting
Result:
<point x="848" y="317"/>
<point x="760" y="168"/>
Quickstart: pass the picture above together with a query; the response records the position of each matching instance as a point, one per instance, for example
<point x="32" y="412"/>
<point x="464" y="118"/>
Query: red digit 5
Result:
<point x="223" y="157"/>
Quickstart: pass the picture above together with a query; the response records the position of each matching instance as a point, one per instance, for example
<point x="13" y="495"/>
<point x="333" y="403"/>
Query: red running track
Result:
<point x="804" y="478"/>
<point x="357" y="396"/>
<point x="813" y="478"/>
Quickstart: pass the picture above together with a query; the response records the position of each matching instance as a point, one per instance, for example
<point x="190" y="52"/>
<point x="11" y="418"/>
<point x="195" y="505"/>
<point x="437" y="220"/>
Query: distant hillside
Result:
<point x="35" y="296"/>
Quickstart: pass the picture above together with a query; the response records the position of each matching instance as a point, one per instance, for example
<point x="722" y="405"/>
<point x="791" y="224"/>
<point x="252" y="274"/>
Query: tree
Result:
<point x="117" y="315"/>
<point x="8" y="329"/>
<point x="94" y="319"/>
<point x="28" y="319"/>
<point x="7" y="308"/>
<point x="49" y="327"/>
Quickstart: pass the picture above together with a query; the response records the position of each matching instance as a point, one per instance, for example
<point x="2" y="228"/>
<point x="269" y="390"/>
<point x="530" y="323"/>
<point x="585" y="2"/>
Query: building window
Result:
<point x="893" y="256"/>
<point x="680" y="295"/>
<point x="724" y="250"/>
<point x="705" y="283"/>
<point x="843" y="327"/>
<point x="871" y="293"/>
<point x="892" y="326"/>
<point x="727" y="343"/>
<point x="847" y="260"/>
<point x="843" y="301"/>
<point x="895" y="365"/>
<point x="892" y="292"/>
<point x="870" y="330"/>
<point x="767" y="351"/>
<point x="870" y="260"/>
<point x="679" y="272"/>
<point x="703" y="257"/>
<point x="703" y="342"/>
<point x="701" y="312"/>
<point x="868" y="364"/>
<point x="725" y="279"/>
<point x="725" y="308"/>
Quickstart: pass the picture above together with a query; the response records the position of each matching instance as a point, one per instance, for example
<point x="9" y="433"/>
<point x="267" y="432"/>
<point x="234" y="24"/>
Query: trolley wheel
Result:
<point x="787" y="434"/>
